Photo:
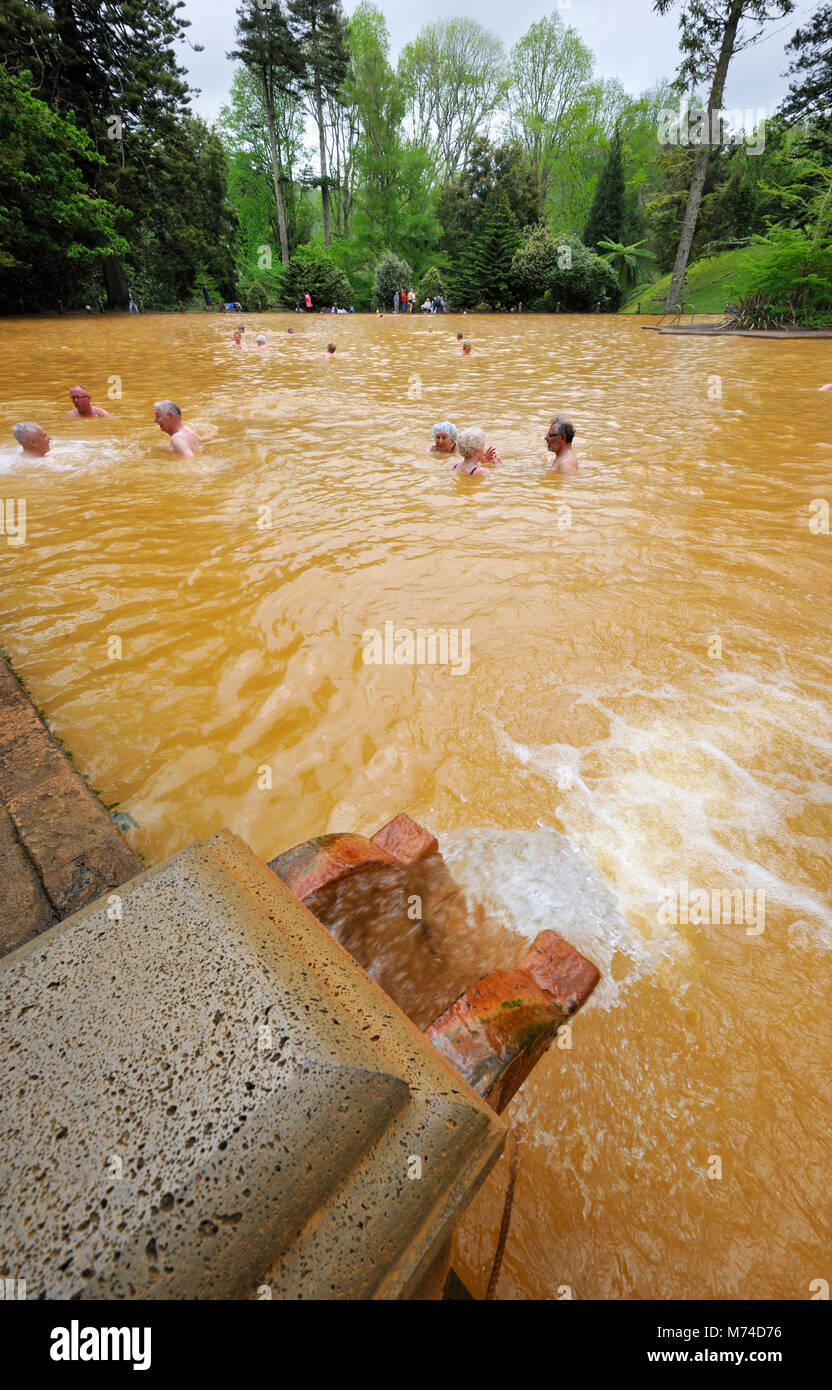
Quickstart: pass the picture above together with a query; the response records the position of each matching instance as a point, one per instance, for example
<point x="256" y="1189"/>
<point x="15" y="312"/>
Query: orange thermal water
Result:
<point x="645" y="704"/>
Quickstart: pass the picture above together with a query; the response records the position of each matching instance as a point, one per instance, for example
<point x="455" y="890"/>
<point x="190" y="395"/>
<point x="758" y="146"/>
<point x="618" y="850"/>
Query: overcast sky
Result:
<point x="629" y="42"/>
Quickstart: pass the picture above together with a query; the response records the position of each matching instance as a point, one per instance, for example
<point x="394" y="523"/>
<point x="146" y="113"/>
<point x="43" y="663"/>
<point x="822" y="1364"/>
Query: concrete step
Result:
<point x="202" y="1095"/>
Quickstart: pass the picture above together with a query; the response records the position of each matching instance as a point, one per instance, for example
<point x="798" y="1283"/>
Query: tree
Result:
<point x="489" y="168"/>
<point x="393" y="200"/>
<point x="549" y="70"/>
<point x="535" y="259"/>
<point x="112" y="64"/>
<point x="711" y="33"/>
<point x="484" y="274"/>
<point x="624" y="260"/>
<point x="430" y="285"/>
<point x="811" y="94"/>
<point x="580" y="280"/>
<point x="313" y="268"/>
<point x="606" y="216"/>
<point x="454" y="76"/>
<point x="267" y="48"/>
<point x="392" y="275"/>
<point x="319" y="30"/>
<point x="53" y="228"/>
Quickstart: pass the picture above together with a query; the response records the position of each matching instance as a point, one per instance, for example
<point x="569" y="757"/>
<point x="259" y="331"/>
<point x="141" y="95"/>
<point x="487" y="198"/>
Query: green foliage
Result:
<point x="392" y="276"/>
<point x="580" y="281"/>
<point x="811" y="47"/>
<point x="624" y="260"/>
<point x="606" y="216"/>
<point x="313" y="268"/>
<point x="794" y="271"/>
<point x="454" y="77"/>
<point x="430" y="285"/>
<point x="53" y="227"/>
<point x="535" y="260"/>
<point x="483" y="275"/>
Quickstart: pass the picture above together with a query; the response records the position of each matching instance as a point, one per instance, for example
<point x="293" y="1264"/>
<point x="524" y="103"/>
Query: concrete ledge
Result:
<point x="201" y="1093"/>
<point x="59" y="848"/>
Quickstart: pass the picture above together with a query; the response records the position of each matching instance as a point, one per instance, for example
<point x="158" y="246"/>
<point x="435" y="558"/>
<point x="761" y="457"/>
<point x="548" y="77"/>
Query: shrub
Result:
<point x="430" y="285"/>
<point x="794" y="274"/>
<point x="392" y="276"/>
<point x="561" y="271"/>
<point x="313" y="268"/>
<point x="580" y="280"/>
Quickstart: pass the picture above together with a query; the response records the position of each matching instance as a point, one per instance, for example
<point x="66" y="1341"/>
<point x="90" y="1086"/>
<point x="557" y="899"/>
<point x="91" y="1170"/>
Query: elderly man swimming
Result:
<point x="82" y="406"/>
<point x="475" y="456"/>
<point x="33" y="440"/>
<point x="444" y="438"/>
<point x="183" y="440"/>
<point x="559" y="438"/>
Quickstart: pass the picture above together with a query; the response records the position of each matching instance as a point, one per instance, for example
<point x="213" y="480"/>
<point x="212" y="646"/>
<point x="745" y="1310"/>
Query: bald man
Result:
<point x="82" y="406"/>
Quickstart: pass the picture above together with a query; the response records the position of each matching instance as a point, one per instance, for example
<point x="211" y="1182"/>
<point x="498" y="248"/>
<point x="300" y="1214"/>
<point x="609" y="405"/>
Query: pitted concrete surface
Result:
<point x="203" y="1096"/>
<point x="59" y="847"/>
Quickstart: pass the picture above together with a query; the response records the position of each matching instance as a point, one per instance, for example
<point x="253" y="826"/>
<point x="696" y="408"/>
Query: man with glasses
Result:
<point x="82" y="406"/>
<point x="559" y="438"/>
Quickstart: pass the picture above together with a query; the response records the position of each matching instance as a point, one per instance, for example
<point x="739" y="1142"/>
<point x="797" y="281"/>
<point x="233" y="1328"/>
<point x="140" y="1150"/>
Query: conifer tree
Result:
<point x="484" y="272"/>
<point x="320" y="32"/>
<point x="607" y="213"/>
<point x="268" y="49"/>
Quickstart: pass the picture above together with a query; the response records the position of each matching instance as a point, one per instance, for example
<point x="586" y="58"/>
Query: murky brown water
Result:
<point x="596" y="708"/>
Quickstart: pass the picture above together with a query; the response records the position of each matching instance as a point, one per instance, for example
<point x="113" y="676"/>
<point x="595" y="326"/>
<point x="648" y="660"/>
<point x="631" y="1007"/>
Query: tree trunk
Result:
<point x="276" y="172"/>
<point x="116" y="283"/>
<point x="319" y="109"/>
<point x="700" y="167"/>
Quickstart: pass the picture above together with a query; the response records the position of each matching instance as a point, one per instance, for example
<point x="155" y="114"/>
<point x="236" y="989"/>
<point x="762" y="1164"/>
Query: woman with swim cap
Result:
<point x="444" y="439"/>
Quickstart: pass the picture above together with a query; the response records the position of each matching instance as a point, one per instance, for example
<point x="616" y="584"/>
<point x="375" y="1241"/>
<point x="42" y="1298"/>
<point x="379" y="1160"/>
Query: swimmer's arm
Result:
<point x="492" y="455"/>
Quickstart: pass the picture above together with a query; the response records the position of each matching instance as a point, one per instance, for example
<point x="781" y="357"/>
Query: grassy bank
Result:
<point x="708" y="284"/>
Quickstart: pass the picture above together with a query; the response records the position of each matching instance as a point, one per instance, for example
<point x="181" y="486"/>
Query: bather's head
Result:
<point x="444" y="437"/>
<point x="168" y="416"/>
<point x="32" y="438"/>
<point x="560" y="434"/>
<point x="471" y="442"/>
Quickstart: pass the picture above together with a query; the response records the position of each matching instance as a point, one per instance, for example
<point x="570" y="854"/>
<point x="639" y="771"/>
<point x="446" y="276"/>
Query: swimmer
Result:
<point x="82" y="406"/>
<point x="826" y="388"/>
<point x="290" y="330"/>
<point x="330" y="352"/>
<point x="471" y="444"/>
<point x="444" y="439"/>
<point x="466" y="348"/>
<point x="183" y="440"/>
<point x="238" y="337"/>
<point x="33" y="440"/>
<point x="261" y="341"/>
<point x="459" y="337"/>
<point x="559" y="441"/>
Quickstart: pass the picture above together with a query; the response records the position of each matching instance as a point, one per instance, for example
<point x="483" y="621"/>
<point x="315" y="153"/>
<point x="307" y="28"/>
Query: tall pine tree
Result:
<point x="320" y="31"/>
<point x="268" y="49"/>
<point x="484" y="272"/>
<point x="608" y="213"/>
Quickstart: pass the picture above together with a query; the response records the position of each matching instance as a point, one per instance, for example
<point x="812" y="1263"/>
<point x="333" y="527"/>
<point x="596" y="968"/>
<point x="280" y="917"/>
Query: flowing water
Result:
<point x="643" y="718"/>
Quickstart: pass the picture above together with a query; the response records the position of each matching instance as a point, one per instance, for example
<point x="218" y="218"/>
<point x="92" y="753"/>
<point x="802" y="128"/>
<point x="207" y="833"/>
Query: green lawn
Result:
<point x="708" y="284"/>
